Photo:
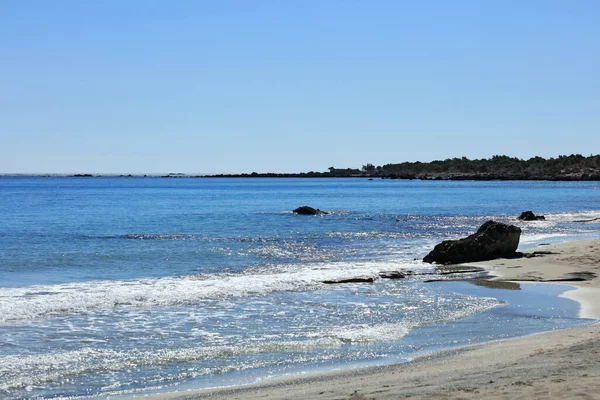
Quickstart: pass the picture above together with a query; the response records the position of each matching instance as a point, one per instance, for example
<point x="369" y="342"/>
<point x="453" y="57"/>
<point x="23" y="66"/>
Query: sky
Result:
<point x="143" y="86"/>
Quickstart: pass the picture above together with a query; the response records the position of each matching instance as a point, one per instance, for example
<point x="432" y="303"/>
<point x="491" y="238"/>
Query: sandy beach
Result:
<point x="559" y="364"/>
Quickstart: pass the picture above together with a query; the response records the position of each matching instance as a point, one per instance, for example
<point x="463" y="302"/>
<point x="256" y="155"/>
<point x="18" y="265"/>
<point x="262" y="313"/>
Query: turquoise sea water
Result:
<point x="115" y="285"/>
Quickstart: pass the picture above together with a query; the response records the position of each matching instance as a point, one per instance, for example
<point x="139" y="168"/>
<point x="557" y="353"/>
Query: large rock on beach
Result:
<point x="530" y="216"/>
<point x="306" y="210"/>
<point x="492" y="240"/>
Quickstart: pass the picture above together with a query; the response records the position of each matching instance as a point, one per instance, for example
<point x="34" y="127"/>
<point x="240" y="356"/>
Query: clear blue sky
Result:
<point x="288" y="86"/>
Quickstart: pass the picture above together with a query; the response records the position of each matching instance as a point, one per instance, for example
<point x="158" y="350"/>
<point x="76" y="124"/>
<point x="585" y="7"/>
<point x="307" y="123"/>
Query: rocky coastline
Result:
<point x="562" y="168"/>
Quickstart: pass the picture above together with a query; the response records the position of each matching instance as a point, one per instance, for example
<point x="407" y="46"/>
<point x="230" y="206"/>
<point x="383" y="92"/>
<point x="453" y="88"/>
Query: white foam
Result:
<point x="531" y="238"/>
<point x="372" y="333"/>
<point x="20" y="371"/>
<point x="559" y="226"/>
<point x="49" y="300"/>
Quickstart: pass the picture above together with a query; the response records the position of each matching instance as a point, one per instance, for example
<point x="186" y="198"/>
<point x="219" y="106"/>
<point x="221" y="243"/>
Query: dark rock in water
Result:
<point x="392" y="275"/>
<point x="306" y="210"/>
<point x="530" y="216"/>
<point x="396" y="274"/>
<point x="457" y="269"/>
<point x="352" y="280"/>
<point x="492" y="240"/>
<point x="586" y="220"/>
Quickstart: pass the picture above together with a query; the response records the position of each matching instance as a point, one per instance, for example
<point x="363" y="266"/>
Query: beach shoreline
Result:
<point x="556" y="364"/>
<point x="575" y="263"/>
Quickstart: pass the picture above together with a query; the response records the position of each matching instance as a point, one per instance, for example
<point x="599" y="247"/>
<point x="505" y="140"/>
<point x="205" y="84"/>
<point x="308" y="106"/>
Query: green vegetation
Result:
<point x="573" y="167"/>
<point x="563" y="168"/>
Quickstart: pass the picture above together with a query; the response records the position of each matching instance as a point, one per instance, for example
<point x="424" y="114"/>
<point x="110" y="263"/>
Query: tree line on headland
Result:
<point x="562" y="168"/>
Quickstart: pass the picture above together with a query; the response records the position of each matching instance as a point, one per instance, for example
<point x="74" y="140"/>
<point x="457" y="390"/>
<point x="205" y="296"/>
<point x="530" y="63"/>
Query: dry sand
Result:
<point x="557" y="365"/>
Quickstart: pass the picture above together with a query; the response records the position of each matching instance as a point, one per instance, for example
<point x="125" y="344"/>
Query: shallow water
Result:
<point x="115" y="285"/>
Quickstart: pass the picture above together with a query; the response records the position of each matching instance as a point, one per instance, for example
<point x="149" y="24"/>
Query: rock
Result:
<point x="492" y="240"/>
<point x="530" y="216"/>
<point x="586" y="220"/>
<point x="352" y="280"/>
<point x="392" y="275"/>
<point x="396" y="274"/>
<point x="306" y="210"/>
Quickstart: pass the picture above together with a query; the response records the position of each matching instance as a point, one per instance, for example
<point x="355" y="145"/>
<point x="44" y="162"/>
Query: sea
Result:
<point x="115" y="287"/>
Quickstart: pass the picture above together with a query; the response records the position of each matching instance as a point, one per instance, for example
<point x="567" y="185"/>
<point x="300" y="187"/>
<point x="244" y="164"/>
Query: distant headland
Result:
<point x="563" y="168"/>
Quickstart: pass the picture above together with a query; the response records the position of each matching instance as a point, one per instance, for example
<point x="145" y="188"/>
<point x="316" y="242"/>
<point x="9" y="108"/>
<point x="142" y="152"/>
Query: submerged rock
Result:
<point x="392" y="275"/>
<point x="492" y="240"/>
<point x="306" y="210"/>
<point x="396" y="274"/>
<point x="530" y="216"/>
<point x="351" y="280"/>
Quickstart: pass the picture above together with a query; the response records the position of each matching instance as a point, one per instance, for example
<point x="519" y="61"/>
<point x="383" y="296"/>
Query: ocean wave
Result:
<point x="412" y="226"/>
<point x="36" y="370"/>
<point x="39" y="301"/>
<point x="172" y="236"/>
<point x="22" y="371"/>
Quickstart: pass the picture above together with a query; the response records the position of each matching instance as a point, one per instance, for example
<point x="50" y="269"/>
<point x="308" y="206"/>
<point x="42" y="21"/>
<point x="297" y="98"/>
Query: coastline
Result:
<point x="576" y="263"/>
<point x="555" y="364"/>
